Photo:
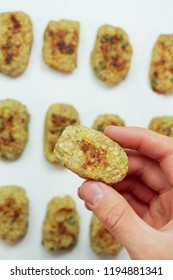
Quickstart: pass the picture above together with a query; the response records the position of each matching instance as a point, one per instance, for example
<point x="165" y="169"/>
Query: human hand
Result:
<point x="139" y="210"/>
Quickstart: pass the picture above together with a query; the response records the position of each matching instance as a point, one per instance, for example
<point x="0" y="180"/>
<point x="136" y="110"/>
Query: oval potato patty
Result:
<point x="111" y="56"/>
<point x="60" y="45"/>
<point x="162" y="125"/>
<point x="101" y="240"/>
<point x="14" y="120"/>
<point x="91" y="155"/>
<point x="161" y="70"/>
<point x="61" y="224"/>
<point x="13" y="213"/>
<point x="16" y="39"/>
<point x="102" y="121"/>
<point x="58" y="117"/>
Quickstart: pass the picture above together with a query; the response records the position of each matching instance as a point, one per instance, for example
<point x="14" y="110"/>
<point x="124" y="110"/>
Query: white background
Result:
<point x="40" y="86"/>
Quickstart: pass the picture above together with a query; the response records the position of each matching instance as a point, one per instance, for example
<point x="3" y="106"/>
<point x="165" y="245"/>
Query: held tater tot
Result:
<point x="91" y="155"/>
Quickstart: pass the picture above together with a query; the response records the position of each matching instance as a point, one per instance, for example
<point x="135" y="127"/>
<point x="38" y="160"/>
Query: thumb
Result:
<point x="119" y="218"/>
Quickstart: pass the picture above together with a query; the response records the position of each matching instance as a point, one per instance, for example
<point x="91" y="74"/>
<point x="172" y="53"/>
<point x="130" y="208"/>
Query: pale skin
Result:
<point x="139" y="210"/>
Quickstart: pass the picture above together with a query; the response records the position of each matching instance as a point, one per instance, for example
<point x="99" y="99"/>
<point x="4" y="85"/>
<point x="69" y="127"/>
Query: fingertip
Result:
<point x="78" y="193"/>
<point x="110" y="128"/>
<point x="91" y="192"/>
<point x="84" y="185"/>
<point x="87" y="206"/>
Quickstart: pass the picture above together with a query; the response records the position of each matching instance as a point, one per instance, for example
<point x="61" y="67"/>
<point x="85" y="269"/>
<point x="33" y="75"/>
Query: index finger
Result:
<point x="149" y="143"/>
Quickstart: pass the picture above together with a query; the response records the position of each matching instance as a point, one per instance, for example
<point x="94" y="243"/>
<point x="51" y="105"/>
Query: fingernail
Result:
<point x="91" y="193"/>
